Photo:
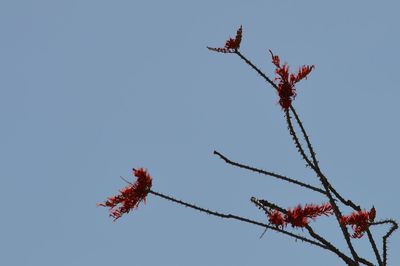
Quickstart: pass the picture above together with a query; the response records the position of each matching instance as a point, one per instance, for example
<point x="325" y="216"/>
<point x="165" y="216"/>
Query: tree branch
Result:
<point x="278" y="176"/>
<point x="394" y="227"/>
<point x="235" y="217"/>
<point x="264" y="203"/>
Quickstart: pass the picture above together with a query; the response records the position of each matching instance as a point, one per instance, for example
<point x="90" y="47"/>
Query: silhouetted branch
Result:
<point x="394" y="227"/>
<point x="264" y="76"/>
<point x="306" y="138"/>
<point x="235" y="217"/>
<point x="260" y="171"/>
<point x="265" y="203"/>
<point x="331" y="188"/>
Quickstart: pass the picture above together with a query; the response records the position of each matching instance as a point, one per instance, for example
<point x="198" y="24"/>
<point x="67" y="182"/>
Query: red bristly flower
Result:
<point x="276" y="218"/>
<point x="298" y="217"/>
<point x="231" y="45"/>
<point x="286" y="86"/>
<point x="359" y="221"/>
<point x="130" y="196"/>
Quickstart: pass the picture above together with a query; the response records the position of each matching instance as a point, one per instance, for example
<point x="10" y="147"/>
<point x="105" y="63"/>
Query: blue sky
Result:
<point x="90" y="89"/>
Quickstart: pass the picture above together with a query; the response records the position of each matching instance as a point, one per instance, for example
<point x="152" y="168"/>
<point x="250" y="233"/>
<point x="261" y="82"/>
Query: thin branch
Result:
<point x="264" y="76"/>
<point x="326" y="185"/>
<point x="365" y="262"/>
<point x="260" y="171"/>
<point x="296" y="140"/>
<point x="385" y="237"/>
<point x="319" y="173"/>
<point x="315" y="161"/>
<point x="264" y="203"/>
<point x="239" y="218"/>
<point x="248" y="62"/>
<point x="306" y="138"/>
<point x="357" y="208"/>
<point x="394" y="227"/>
<point x="315" y="165"/>
<point x="374" y="247"/>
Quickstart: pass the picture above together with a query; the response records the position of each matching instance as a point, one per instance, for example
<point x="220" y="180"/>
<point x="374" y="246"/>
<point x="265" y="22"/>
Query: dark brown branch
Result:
<point x="264" y="76"/>
<point x="315" y="161"/>
<point x="319" y="173"/>
<point x="394" y="227"/>
<point x="326" y="185"/>
<point x="374" y="247"/>
<point x="239" y="218"/>
<point x="296" y="140"/>
<point x="385" y="237"/>
<point x="306" y="138"/>
<point x="264" y="203"/>
<point x="365" y="262"/>
<point x="248" y="62"/>
<point x="357" y="208"/>
<point x="315" y="166"/>
<point x="260" y="171"/>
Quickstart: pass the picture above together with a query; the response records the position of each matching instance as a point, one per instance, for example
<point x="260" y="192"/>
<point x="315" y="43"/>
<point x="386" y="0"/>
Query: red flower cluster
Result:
<point x="298" y="217"/>
<point x="286" y="89"/>
<point x="130" y="196"/>
<point x="359" y="220"/>
<point x="231" y="45"/>
<point x="276" y="218"/>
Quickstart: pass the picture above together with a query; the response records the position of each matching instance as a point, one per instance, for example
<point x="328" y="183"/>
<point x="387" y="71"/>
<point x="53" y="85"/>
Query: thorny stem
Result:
<point x="365" y="262"/>
<point x="239" y="218"/>
<point x="328" y="187"/>
<point x="319" y="173"/>
<point x="264" y="76"/>
<point x="315" y="161"/>
<point x="290" y="180"/>
<point x="324" y="182"/>
<point x="374" y="247"/>
<point x="310" y="148"/>
<point x="386" y="236"/>
<point x="260" y="171"/>
<point x="256" y="69"/>
<point x="314" y="167"/>
<point x="332" y="248"/>
<point x="296" y="140"/>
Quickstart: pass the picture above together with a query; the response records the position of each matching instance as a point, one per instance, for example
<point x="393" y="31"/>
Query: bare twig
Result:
<point x="326" y="185"/>
<point x="296" y="140"/>
<point x="264" y="203"/>
<point x="239" y="218"/>
<point x="306" y="138"/>
<point x="394" y="227"/>
<point x="260" y="171"/>
<point x="264" y="76"/>
<point x="314" y="164"/>
<point x="331" y="188"/>
<point x="299" y="147"/>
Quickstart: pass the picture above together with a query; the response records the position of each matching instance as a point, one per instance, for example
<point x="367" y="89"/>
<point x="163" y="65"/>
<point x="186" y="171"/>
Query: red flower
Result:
<point x="276" y="218"/>
<point x="130" y="196"/>
<point x="231" y="45"/>
<point x="298" y="217"/>
<point x="312" y="211"/>
<point x="286" y="89"/>
<point x="359" y="221"/>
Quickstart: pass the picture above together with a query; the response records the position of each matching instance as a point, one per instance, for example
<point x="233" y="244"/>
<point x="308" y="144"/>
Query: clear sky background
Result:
<point x="90" y="89"/>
